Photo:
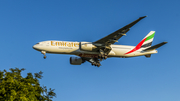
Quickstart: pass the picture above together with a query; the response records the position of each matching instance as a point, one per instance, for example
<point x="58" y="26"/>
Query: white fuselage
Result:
<point x="73" y="48"/>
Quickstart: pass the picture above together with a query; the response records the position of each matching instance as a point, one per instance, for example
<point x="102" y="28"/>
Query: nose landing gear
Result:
<point x="44" y="53"/>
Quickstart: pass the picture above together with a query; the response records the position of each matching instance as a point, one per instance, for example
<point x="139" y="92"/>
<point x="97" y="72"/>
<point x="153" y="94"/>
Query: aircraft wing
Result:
<point x="113" y="37"/>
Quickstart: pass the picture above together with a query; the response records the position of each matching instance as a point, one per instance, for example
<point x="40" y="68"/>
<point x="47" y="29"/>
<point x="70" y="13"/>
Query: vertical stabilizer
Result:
<point x="148" y="39"/>
<point x="145" y="42"/>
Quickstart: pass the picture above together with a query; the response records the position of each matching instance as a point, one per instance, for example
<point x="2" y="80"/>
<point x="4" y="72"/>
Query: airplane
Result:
<point x="95" y="52"/>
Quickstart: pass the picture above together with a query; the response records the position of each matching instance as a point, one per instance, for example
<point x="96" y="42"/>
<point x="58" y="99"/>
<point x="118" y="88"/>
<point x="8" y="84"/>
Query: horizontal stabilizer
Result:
<point x="155" y="46"/>
<point x="148" y="56"/>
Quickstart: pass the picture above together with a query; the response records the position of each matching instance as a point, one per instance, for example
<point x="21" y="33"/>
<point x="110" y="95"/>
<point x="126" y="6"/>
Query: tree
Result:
<point x="13" y="87"/>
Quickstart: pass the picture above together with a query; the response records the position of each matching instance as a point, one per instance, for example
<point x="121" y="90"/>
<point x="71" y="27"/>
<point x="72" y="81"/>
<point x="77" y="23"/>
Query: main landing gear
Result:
<point x="44" y="53"/>
<point x="95" y="62"/>
<point x="102" y="54"/>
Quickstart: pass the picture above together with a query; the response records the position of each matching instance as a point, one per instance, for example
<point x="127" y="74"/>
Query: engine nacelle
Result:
<point x="76" y="61"/>
<point x="87" y="46"/>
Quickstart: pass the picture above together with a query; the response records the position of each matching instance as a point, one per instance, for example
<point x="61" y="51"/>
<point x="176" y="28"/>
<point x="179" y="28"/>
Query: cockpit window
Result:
<point x="37" y="43"/>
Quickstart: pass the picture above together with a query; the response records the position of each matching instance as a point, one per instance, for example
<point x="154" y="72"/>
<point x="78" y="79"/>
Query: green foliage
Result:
<point x="13" y="87"/>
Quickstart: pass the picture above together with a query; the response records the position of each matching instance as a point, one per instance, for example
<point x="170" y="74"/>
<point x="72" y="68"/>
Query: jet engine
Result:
<point x="76" y="61"/>
<point x="87" y="46"/>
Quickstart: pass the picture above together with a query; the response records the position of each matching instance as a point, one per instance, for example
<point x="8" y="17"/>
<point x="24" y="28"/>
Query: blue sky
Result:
<point x="23" y="23"/>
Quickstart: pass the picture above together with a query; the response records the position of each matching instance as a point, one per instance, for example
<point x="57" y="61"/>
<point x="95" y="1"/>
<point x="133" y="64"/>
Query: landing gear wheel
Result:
<point x="44" y="57"/>
<point x="105" y="57"/>
<point x="98" y="65"/>
<point x="102" y="56"/>
<point x="93" y="63"/>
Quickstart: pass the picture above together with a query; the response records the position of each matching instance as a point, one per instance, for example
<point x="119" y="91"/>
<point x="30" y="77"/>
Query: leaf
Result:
<point x="13" y="87"/>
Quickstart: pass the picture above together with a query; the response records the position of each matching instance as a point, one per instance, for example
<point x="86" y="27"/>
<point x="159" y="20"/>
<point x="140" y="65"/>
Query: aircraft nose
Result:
<point x="35" y="47"/>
